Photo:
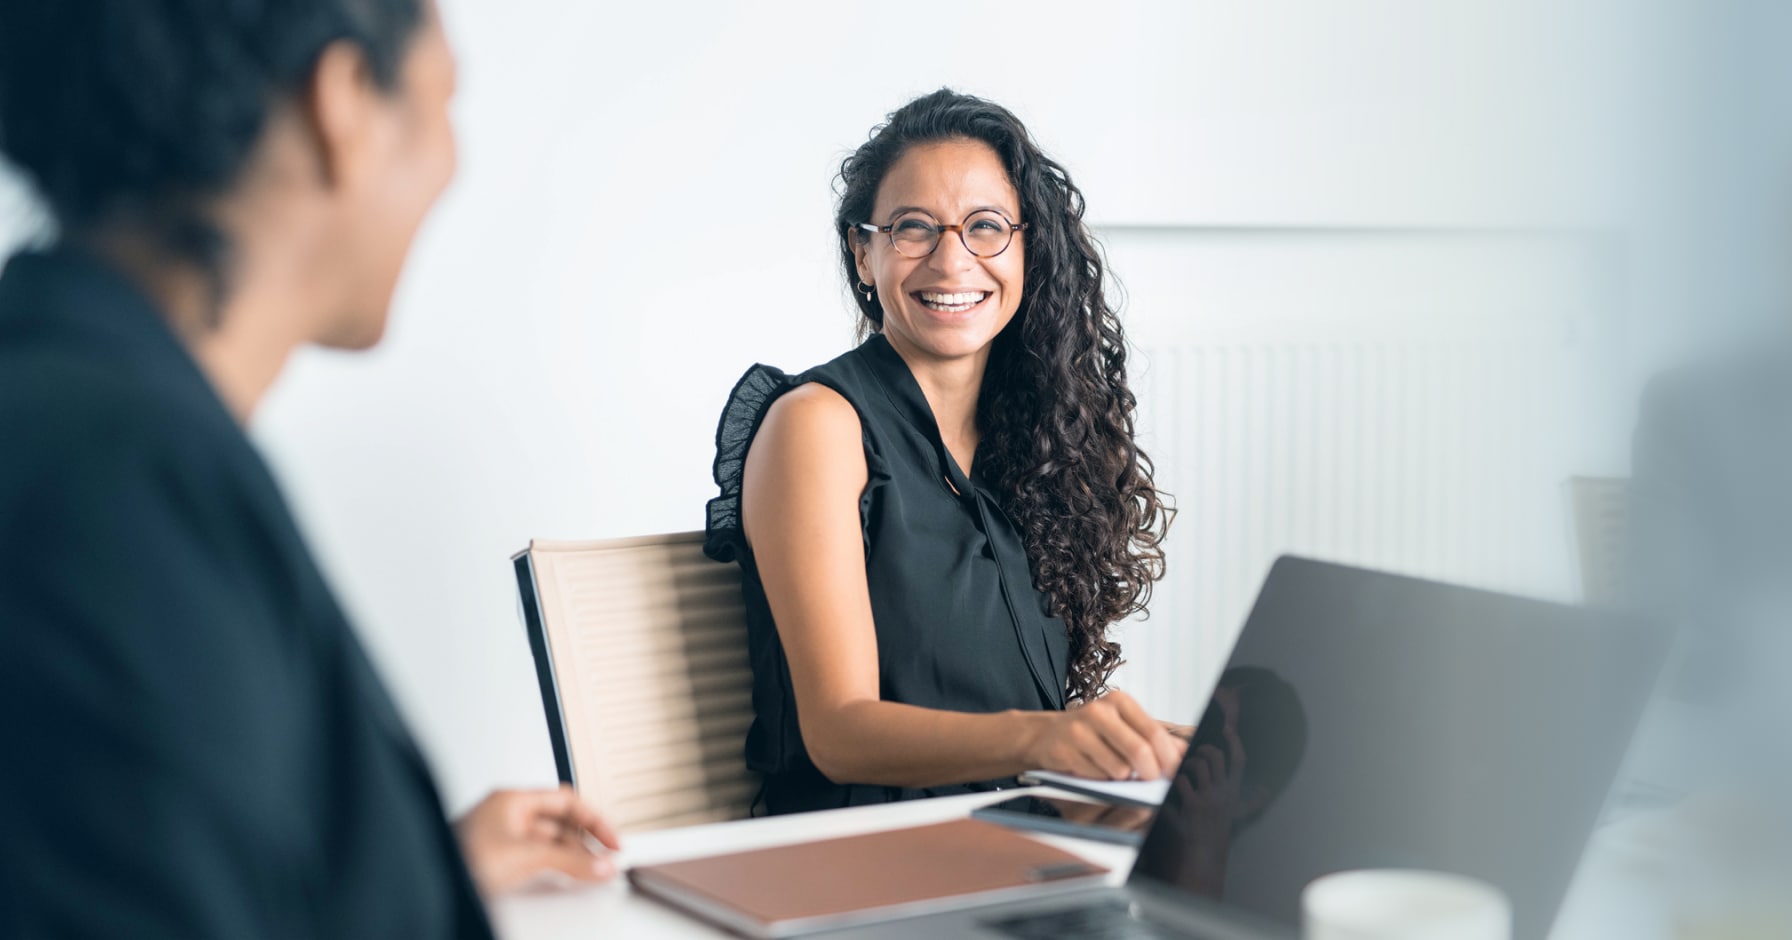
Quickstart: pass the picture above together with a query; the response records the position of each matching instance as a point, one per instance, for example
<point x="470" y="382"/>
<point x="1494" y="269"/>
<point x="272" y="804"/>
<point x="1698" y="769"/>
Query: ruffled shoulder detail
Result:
<point x="723" y="537"/>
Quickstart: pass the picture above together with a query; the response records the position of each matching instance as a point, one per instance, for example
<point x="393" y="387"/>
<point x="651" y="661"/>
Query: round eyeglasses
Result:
<point x="984" y="233"/>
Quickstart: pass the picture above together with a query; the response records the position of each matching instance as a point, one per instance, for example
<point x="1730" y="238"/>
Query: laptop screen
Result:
<point x="1367" y="720"/>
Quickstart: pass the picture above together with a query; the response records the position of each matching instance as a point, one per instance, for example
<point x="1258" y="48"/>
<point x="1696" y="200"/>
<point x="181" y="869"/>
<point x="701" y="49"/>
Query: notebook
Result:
<point x="834" y="883"/>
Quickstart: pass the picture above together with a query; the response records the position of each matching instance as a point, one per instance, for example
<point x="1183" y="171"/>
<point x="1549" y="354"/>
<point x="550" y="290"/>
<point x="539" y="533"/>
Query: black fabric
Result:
<point x="195" y="745"/>
<point x="960" y="625"/>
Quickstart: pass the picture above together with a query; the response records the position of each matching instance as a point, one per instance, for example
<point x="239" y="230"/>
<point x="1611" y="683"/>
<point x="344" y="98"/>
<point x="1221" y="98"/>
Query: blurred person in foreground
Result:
<point x="1709" y="547"/>
<point x="195" y="743"/>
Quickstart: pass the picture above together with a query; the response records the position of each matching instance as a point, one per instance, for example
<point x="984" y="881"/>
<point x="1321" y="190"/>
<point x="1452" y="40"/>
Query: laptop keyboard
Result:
<point x="1106" y="920"/>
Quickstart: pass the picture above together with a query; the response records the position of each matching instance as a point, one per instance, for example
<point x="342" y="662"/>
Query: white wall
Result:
<point x="643" y="211"/>
<point x="1410" y="400"/>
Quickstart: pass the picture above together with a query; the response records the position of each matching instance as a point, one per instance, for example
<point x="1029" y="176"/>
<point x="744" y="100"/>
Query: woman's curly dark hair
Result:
<point x="1055" y="411"/>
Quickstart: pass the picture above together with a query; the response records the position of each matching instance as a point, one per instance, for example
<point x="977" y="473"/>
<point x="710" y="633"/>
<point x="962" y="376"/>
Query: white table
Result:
<point x="1606" y="901"/>
<point x="613" y="911"/>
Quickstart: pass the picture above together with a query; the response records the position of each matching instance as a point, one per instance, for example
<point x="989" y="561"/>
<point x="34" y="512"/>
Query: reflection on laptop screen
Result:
<point x="1372" y="721"/>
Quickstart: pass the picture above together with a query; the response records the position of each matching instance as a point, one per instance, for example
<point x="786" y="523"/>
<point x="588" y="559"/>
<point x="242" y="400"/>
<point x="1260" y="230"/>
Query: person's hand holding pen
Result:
<point x="1107" y="738"/>
<point x="513" y="836"/>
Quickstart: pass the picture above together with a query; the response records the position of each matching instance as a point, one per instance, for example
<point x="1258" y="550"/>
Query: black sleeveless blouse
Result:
<point x="960" y="625"/>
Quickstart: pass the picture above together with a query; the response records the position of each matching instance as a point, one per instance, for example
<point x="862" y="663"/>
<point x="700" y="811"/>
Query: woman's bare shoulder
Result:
<point x="808" y="456"/>
<point x="811" y="415"/>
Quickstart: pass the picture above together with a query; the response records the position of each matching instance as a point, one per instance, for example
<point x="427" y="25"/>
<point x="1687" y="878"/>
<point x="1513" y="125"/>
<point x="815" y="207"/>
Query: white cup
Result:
<point x="1403" y="904"/>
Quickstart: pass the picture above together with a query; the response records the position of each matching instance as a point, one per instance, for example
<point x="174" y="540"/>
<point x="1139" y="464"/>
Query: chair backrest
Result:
<point x="641" y="650"/>
<point x="1601" y="517"/>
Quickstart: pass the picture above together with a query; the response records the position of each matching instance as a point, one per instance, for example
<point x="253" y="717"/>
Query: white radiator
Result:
<point x="1440" y="453"/>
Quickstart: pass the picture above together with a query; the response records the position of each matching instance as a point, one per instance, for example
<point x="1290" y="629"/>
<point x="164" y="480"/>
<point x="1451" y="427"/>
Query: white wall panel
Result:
<point x="1404" y="400"/>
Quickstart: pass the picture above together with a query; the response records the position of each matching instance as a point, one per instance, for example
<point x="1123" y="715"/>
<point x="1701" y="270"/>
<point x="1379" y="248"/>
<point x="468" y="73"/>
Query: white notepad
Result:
<point x="1128" y="792"/>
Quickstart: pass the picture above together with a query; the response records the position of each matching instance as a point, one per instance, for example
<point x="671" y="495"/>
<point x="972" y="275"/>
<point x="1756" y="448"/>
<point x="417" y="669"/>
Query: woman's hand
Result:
<point x="1110" y="738"/>
<point x="513" y="836"/>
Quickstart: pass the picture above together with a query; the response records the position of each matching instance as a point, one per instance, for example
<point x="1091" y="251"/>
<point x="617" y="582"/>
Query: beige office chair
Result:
<point x="641" y="651"/>
<point x="1601" y="515"/>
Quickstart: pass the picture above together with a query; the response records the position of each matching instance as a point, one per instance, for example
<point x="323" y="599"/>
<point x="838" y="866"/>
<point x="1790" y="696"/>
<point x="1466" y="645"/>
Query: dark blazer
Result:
<point x="192" y="742"/>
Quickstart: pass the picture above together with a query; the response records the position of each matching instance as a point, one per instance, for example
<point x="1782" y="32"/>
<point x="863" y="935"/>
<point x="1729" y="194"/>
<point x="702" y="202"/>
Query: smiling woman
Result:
<point x="937" y="529"/>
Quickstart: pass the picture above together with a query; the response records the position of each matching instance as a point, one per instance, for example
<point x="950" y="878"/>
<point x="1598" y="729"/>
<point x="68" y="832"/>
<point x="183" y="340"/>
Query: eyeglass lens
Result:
<point x="984" y="234"/>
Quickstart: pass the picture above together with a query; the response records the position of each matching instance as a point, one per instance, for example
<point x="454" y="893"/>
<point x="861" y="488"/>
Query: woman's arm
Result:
<point x="804" y="474"/>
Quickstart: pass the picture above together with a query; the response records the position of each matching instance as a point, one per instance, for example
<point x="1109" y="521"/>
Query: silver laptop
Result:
<point x="1384" y="722"/>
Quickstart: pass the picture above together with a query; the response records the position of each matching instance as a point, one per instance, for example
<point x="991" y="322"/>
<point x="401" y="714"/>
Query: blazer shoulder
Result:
<point x="61" y="411"/>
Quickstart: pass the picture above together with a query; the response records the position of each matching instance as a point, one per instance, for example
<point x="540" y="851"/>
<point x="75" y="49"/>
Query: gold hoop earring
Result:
<point x="866" y="289"/>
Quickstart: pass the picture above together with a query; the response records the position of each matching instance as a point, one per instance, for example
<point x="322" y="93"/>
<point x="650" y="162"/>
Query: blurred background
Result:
<point x="1393" y="272"/>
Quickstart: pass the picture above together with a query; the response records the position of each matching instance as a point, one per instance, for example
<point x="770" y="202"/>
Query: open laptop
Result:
<point x="1385" y="722"/>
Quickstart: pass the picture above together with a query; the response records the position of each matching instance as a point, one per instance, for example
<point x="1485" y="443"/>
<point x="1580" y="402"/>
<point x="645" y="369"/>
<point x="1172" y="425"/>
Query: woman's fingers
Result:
<point x="574" y="813"/>
<point x="574" y="862"/>
<point x="1170" y="750"/>
<point x="1114" y="738"/>
<point x="1163" y="751"/>
<point x="514" y="835"/>
<point x="547" y="829"/>
<point x="1123" y="737"/>
<point x="1092" y="738"/>
<point x="518" y="863"/>
<point x="554" y="815"/>
<point x="1167" y="747"/>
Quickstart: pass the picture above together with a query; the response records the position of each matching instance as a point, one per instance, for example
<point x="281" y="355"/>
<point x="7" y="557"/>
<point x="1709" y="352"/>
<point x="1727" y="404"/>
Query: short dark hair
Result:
<point x="140" y="109"/>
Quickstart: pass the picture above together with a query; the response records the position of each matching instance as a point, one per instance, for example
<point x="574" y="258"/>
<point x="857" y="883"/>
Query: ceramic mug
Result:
<point x="1403" y="904"/>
